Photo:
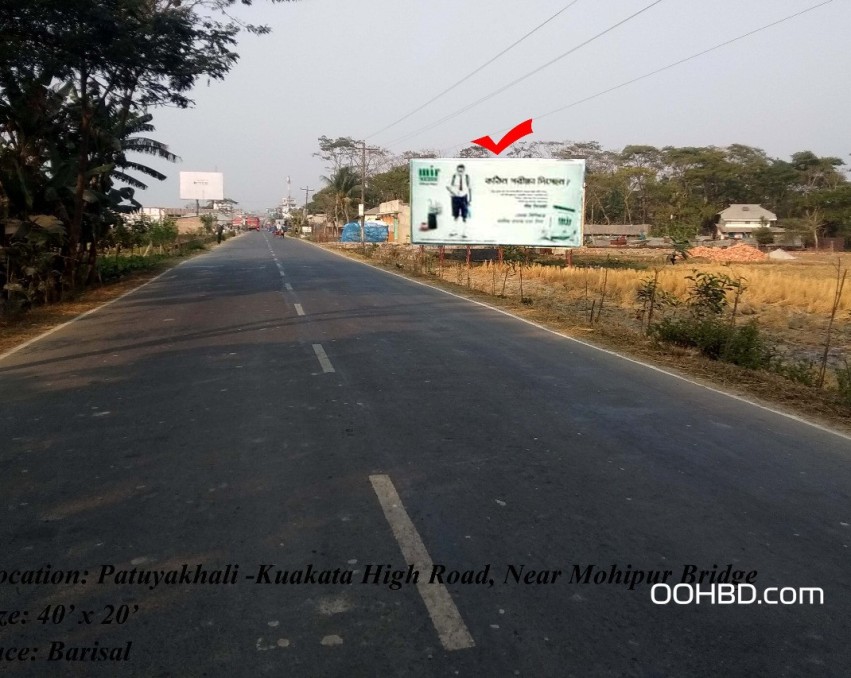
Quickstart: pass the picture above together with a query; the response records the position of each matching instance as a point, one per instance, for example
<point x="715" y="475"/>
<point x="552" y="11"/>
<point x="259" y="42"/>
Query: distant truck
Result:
<point x="252" y="223"/>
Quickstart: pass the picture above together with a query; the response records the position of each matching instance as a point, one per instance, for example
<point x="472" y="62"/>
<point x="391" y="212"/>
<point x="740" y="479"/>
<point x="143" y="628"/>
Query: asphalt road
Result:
<point x="271" y="407"/>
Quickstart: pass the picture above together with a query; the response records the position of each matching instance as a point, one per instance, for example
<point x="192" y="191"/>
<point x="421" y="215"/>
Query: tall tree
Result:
<point x="342" y="185"/>
<point x="119" y="57"/>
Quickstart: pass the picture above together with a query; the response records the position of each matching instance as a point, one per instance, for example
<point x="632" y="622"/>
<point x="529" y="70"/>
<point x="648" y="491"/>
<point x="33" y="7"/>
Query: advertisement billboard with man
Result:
<point x="488" y="201"/>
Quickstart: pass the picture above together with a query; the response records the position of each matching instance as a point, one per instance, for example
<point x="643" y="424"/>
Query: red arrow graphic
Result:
<point x="514" y="134"/>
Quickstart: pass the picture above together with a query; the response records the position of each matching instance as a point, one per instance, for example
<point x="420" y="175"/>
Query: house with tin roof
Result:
<point x="739" y="221"/>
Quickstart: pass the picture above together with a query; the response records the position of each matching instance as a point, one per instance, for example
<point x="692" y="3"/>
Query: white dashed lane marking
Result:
<point x="299" y="310"/>
<point x="323" y="358"/>
<point x="441" y="608"/>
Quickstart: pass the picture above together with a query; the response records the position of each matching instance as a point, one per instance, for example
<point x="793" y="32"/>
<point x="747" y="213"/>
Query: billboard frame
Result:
<point x="202" y="186"/>
<point x="525" y="193"/>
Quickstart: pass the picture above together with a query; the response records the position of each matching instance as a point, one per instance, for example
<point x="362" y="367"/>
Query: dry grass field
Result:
<point x="791" y="300"/>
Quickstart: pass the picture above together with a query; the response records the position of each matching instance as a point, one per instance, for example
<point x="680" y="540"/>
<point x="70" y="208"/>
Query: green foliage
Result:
<point x="162" y="233"/>
<point x="705" y="328"/>
<point x="763" y="236"/>
<point x="717" y="340"/>
<point x="31" y="264"/>
<point x="800" y="371"/>
<point x="652" y="299"/>
<point x="342" y="186"/>
<point x="76" y="82"/>
<point x="209" y="222"/>
<point x="512" y="254"/>
<point x="394" y="184"/>
<point x="708" y="293"/>
<point x="843" y="381"/>
<point x="115" y="268"/>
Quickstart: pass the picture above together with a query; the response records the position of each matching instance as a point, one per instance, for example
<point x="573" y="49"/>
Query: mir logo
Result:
<point x="428" y="175"/>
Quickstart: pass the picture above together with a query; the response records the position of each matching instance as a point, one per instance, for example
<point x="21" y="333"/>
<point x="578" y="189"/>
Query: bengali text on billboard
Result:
<point x="491" y="201"/>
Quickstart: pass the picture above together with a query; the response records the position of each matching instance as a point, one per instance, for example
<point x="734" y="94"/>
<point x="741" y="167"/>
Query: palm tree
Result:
<point x="115" y="135"/>
<point x="132" y="143"/>
<point x="343" y="184"/>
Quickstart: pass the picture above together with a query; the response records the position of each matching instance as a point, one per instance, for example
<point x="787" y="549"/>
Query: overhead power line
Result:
<point x="682" y="61"/>
<point x="524" y="77"/>
<point x="676" y="63"/>
<point x="470" y="75"/>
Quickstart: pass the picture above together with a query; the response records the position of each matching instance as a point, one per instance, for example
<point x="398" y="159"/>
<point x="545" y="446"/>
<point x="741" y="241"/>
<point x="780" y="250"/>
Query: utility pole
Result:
<point x="306" y="192"/>
<point x="364" y="149"/>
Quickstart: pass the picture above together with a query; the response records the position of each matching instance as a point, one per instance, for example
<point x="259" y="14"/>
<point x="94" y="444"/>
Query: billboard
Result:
<point x="531" y="202"/>
<point x="202" y="186"/>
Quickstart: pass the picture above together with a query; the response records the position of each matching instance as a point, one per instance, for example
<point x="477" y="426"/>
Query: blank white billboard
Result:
<point x="533" y="202"/>
<point x="202" y="186"/>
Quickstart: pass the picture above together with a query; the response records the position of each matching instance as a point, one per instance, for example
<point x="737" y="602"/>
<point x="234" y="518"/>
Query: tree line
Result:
<point x="78" y="83"/>
<point x="678" y="191"/>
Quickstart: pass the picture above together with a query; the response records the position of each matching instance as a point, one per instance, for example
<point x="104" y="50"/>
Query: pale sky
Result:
<point x="349" y="68"/>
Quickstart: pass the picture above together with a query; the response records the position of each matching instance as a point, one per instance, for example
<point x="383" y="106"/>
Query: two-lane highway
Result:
<point x="257" y="454"/>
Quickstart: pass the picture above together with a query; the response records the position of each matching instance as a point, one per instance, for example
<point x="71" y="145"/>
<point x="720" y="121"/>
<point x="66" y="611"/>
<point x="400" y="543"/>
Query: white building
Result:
<point x="740" y="221"/>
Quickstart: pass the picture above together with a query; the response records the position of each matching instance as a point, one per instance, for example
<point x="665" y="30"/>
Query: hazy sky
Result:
<point x="351" y="67"/>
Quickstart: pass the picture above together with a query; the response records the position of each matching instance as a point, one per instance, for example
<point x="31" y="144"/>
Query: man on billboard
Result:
<point x="462" y="195"/>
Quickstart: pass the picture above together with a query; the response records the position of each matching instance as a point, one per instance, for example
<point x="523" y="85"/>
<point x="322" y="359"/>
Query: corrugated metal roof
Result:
<point x="745" y="212"/>
<point x="616" y="229"/>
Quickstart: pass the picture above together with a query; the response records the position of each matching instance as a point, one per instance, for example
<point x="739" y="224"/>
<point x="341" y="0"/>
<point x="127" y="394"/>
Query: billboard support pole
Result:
<point x="363" y="195"/>
<point x="441" y="250"/>
<point x="363" y="150"/>
<point x="499" y="251"/>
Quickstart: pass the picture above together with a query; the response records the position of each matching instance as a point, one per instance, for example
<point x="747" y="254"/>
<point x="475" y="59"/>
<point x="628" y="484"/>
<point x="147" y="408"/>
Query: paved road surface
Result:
<point x="275" y="407"/>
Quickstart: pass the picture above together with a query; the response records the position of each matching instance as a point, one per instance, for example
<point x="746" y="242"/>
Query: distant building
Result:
<point x="604" y="235"/>
<point x="163" y="213"/>
<point x="617" y="230"/>
<point x="397" y="215"/>
<point x="739" y="221"/>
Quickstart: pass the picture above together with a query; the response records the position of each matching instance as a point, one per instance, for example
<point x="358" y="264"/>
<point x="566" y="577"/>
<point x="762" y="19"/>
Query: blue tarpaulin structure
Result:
<point x="373" y="231"/>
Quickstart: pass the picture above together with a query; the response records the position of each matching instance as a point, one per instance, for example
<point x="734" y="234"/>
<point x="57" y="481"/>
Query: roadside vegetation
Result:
<point x="78" y="84"/>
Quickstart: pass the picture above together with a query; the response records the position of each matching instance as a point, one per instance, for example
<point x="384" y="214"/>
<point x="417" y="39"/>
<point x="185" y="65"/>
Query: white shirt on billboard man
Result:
<point x="462" y="195"/>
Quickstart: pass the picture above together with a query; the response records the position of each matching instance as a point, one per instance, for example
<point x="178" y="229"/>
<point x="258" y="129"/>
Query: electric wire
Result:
<point x="470" y="75"/>
<point x="523" y="77"/>
<point x="674" y="64"/>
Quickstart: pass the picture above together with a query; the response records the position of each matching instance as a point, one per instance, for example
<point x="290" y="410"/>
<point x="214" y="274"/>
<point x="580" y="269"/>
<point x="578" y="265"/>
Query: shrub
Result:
<point x="843" y="381"/>
<point x="800" y="371"/>
<point x="763" y="236"/>
<point x="743" y="346"/>
<point x="114" y="268"/>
